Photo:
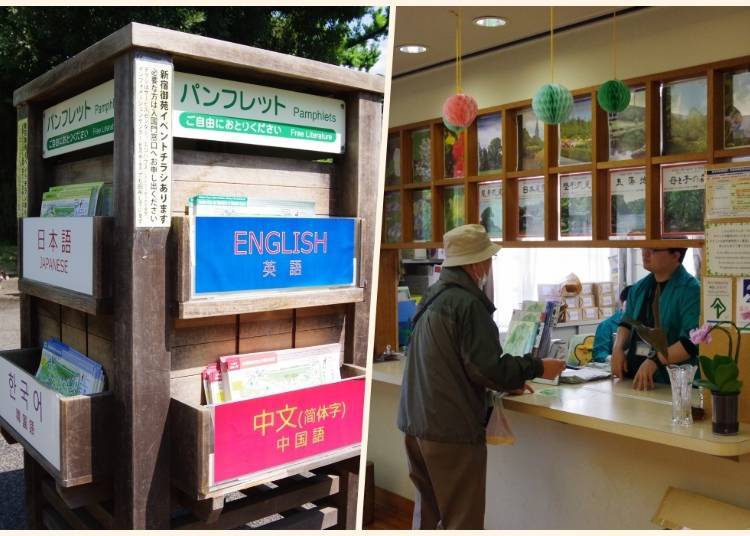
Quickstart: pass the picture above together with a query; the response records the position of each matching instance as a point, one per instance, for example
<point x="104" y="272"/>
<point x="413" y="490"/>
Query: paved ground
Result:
<point x="12" y="513"/>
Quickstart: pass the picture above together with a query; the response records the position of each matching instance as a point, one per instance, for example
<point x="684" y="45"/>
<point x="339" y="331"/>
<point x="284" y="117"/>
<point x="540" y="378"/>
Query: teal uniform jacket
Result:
<point x="679" y="309"/>
<point x="604" y="337"/>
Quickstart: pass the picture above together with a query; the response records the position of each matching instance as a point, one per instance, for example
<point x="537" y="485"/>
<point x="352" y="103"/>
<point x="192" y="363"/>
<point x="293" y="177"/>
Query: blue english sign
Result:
<point x="235" y="254"/>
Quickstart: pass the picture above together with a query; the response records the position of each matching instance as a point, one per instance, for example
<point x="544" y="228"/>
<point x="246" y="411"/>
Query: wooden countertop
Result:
<point x="611" y="406"/>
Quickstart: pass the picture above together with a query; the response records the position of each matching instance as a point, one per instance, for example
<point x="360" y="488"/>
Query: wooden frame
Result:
<point x="146" y="342"/>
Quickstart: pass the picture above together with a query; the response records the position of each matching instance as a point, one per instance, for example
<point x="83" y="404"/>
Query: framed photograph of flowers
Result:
<point x="627" y="129"/>
<point x="531" y="208"/>
<point x="575" y="205"/>
<point x="684" y="116"/>
<point x="683" y="199"/>
<point x="490" y="198"/>
<point x="421" y="203"/>
<point x="530" y="140"/>
<point x="737" y="109"/>
<point x="392" y="217"/>
<point x="421" y="155"/>
<point x="627" y="194"/>
<point x="454" y="214"/>
<point x="454" y="154"/>
<point x="393" y="160"/>
<point x="490" y="144"/>
<point x="576" y="139"/>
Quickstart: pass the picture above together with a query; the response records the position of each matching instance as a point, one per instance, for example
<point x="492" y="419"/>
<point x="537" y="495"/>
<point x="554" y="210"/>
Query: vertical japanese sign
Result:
<point x="236" y="254"/>
<point x="83" y="121"/>
<point x="22" y="168"/>
<point x="60" y="252"/>
<point x="717" y="299"/>
<point x="30" y="409"/>
<point x="152" y="157"/>
<point x="261" y="433"/>
<point x="222" y="110"/>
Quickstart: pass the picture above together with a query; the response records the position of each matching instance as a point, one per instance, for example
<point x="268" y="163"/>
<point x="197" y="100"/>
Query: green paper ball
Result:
<point x="552" y="103"/>
<point x="613" y="96"/>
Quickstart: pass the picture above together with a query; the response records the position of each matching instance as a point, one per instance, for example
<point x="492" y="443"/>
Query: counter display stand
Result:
<point x="141" y="455"/>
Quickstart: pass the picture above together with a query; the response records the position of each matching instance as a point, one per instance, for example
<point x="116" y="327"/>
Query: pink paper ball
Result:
<point x="459" y="111"/>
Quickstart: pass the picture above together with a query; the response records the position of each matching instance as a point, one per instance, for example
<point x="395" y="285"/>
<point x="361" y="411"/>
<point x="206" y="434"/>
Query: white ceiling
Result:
<point x="435" y="27"/>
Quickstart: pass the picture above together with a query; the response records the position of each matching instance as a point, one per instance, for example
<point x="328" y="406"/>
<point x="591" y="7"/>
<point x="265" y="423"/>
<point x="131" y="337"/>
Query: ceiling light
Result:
<point x="413" y="49"/>
<point x="490" y="22"/>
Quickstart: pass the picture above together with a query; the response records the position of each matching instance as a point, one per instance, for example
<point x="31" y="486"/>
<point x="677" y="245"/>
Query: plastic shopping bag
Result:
<point x="498" y="427"/>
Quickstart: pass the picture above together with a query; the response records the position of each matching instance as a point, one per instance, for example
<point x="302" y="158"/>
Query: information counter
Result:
<point x="607" y="471"/>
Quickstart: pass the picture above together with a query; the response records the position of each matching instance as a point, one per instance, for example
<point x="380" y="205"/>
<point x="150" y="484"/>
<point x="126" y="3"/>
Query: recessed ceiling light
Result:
<point x="490" y="21"/>
<point x="412" y="49"/>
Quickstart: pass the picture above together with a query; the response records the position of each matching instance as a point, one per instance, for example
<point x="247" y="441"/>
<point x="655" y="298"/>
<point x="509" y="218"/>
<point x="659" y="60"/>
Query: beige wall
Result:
<point x="650" y="41"/>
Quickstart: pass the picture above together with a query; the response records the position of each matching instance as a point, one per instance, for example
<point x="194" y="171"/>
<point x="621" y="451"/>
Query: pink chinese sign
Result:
<point x="257" y="434"/>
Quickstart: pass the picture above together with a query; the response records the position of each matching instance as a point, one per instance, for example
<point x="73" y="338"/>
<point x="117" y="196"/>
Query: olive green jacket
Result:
<point x="454" y="356"/>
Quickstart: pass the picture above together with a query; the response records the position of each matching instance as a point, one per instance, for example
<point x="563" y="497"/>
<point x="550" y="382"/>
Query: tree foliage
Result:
<point x="35" y="39"/>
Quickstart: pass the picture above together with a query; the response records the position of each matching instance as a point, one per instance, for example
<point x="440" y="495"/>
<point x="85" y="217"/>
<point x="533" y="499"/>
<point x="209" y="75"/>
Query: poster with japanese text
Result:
<point x="271" y="431"/>
<point x="575" y="205"/>
<point x="717" y="299"/>
<point x="152" y="151"/>
<point x="223" y="110"/>
<point x="628" y="202"/>
<point x="727" y="249"/>
<point x="684" y="191"/>
<point x="728" y="193"/>
<point x="490" y="197"/>
<point x="531" y="208"/>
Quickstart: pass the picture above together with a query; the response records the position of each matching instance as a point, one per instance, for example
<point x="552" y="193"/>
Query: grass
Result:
<point x="8" y="257"/>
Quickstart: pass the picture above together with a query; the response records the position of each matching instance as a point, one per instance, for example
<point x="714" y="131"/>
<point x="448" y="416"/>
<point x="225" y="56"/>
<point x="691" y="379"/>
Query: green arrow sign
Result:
<point x="719" y="306"/>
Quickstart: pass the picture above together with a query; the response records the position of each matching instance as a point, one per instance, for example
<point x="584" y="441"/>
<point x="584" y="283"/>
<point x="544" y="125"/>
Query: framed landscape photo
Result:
<point x="392" y="217"/>
<point x="684" y="116"/>
<point x="627" y="193"/>
<point x="575" y="140"/>
<point x="454" y="154"/>
<point x="627" y="129"/>
<point x="683" y="199"/>
<point x="575" y="205"/>
<point x="490" y="199"/>
<point x="393" y="160"/>
<point x="454" y="214"/>
<point x="422" y="215"/>
<point x="531" y="208"/>
<point x="421" y="155"/>
<point x="736" y="109"/>
<point x="490" y="144"/>
<point x="530" y="140"/>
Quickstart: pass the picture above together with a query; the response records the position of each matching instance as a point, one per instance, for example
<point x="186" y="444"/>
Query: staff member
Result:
<point x="670" y="296"/>
<point x="454" y="356"/>
<point x="607" y="329"/>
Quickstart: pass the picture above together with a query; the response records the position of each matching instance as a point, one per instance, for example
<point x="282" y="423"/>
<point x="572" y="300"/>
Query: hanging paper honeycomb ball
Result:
<point x="459" y="111"/>
<point x="613" y="96"/>
<point x="552" y="103"/>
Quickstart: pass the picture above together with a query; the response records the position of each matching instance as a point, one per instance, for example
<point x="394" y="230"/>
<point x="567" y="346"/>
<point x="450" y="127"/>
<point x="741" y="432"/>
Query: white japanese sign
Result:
<point x="717" y="299"/>
<point x="60" y="252"/>
<point x="152" y="156"/>
<point x="630" y="183"/>
<point x="728" y="249"/>
<point x="575" y="186"/>
<point x="682" y="178"/>
<point x="222" y="110"/>
<point x="728" y="193"/>
<point x="31" y="409"/>
<point x="83" y="121"/>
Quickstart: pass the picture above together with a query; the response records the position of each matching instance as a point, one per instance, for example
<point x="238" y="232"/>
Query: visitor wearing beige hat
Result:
<point x="454" y="356"/>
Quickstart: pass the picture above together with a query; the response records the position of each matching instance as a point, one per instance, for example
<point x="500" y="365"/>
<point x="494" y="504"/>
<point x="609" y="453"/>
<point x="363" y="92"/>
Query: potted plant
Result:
<point x="720" y="376"/>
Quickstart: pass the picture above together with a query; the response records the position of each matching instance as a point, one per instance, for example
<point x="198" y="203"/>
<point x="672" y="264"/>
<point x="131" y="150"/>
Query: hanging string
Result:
<point x="614" y="43"/>
<point x="459" y="52"/>
<point x="551" y="45"/>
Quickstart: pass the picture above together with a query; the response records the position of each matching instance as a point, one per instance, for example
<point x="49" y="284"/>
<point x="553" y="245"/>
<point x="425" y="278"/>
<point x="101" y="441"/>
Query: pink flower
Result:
<point x="701" y="334"/>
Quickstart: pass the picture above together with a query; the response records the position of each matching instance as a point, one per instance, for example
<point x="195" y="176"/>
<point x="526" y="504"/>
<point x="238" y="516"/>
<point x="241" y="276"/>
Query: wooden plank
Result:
<point x="51" y="520"/>
<point x="75" y="338"/>
<point x="188" y="427"/>
<point x="193" y="358"/>
<point x="102" y="351"/>
<point x="32" y="477"/>
<point x="46" y="329"/>
<point x="266" y="343"/>
<point x="269" y="302"/>
<point x="202" y="166"/>
<point x="203" y="330"/>
<point x="346" y="499"/>
<point x="324" y="517"/>
<point x="77" y="519"/>
<point x="267" y="323"/>
<point x="386" y="322"/>
<point x="102" y="512"/>
<point x="357" y="183"/>
<point x="93" y="169"/>
<point x="101" y="326"/>
<point x="73" y="318"/>
<point x="49" y="309"/>
<point x="142" y="358"/>
<point x="85" y="495"/>
<point x="69" y="298"/>
<point x="262" y="501"/>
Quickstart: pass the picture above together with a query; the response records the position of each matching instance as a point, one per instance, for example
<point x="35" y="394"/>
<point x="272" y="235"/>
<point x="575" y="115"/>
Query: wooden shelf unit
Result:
<point x="151" y="344"/>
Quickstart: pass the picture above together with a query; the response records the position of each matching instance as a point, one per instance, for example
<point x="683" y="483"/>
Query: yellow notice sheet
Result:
<point x="728" y="249"/>
<point x="728" y="193"/>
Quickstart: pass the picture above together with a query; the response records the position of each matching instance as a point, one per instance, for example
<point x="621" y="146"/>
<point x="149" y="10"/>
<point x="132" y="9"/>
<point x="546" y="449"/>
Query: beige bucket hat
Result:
<point x="467" y="244"/>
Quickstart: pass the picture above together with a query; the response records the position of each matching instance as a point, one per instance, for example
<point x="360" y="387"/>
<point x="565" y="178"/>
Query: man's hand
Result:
<point x="619" y="364"/>
<point x="552" y="368"/>
<point x="526" y="387"/>
<point x="644" y="378"/>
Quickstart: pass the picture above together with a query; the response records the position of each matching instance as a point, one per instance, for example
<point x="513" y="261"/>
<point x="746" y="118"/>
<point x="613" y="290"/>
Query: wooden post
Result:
<point x="142" y="359"/>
